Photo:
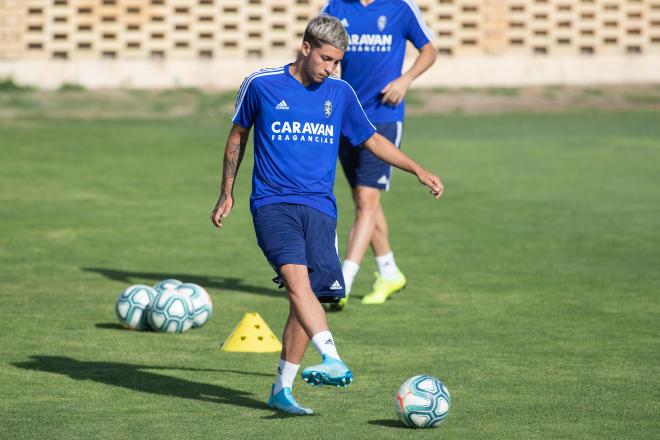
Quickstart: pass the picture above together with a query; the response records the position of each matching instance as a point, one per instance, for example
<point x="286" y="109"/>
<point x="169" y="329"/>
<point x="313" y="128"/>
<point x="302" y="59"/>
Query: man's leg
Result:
<point x="380" y="241"/>
<point x="311" y="317"/>
<point x="389" y="279"/>
<point x="294" y="340"/>
<point x="367" y="204"/>
<point x="380" y="244"/>
<point x="302" y="302"/>
<point x="368" y="175"/>
<point x="294" y="343"/>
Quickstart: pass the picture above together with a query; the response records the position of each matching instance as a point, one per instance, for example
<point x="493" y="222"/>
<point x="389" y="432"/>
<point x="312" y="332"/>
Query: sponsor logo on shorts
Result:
<point x="336" y="285"/>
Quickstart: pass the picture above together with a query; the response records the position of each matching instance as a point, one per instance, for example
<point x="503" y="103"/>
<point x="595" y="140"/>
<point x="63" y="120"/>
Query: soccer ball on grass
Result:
<point x="167" y="284"/>
<point x="422" y="402"/>
<point x="202" y="303"/>
<point x="133" y="304"/>
<point x="172" y="312"/>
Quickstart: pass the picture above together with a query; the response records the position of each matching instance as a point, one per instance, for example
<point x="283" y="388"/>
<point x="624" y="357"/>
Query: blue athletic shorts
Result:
<point x="361" y="167"/>
<point x="298" y="234"/>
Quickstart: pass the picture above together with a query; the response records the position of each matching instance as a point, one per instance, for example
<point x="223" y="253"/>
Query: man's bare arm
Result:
<point x="395" y="91"/>
<point x="385" y="150"/>
<point x="234" y="151"/>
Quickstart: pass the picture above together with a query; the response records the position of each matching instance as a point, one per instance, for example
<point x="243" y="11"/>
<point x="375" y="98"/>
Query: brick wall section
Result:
<point x="258" y="29"/>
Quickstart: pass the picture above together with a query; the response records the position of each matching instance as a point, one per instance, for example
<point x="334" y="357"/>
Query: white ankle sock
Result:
<point x="386" y="265"/>
<point x="350" y="270"/>
<point x="286" y="373"/>
<point x="324" y="344"/>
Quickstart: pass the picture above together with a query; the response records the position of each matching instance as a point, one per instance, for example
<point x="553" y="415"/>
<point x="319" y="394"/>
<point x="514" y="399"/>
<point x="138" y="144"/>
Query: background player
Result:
<point x="378" y="31"/>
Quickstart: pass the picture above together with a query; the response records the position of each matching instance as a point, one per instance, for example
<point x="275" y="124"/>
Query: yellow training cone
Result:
<point x="252" y="334"/>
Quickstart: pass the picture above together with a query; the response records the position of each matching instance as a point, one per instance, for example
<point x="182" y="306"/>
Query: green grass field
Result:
<point x="533" y="284"/>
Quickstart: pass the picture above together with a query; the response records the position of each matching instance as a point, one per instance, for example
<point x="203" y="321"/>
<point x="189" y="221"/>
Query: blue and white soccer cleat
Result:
<point x="330" y="372"/>
<point x="285" y="402"/>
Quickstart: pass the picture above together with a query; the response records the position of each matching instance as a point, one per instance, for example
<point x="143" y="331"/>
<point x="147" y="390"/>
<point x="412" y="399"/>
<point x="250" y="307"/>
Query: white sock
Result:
<point x="386" y="265"/>
<point x="350" y="270"/>
<point x="325" y="345"/>
<point x="286" y="373"/>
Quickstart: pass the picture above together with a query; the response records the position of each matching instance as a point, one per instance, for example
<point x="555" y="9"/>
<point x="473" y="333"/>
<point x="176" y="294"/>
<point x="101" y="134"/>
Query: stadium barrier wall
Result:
<point x="228" y="74"/>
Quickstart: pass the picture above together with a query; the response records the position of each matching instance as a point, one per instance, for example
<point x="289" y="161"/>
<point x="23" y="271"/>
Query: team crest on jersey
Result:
<point x="381" y="22"/>
<point x="327" y="108"/>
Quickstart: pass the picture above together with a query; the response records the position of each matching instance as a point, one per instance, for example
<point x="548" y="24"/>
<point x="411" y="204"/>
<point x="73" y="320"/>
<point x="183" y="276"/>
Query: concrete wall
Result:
<point x="449" y="72"/>
<point x="215" y="43"/>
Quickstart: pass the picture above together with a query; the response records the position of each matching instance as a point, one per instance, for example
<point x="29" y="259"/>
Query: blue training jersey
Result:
<point x="377" y="45"/>
<point x="296" y="136"/>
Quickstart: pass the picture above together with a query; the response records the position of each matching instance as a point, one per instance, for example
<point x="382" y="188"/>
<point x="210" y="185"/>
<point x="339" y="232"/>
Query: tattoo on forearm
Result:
<point x="230" y="166"/>
<point x="232" y="160"/>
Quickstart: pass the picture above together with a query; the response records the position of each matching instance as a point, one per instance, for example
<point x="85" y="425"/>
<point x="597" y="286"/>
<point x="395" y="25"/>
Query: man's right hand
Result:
<point x="222" y="209"/>
<point x="432" y="181"/>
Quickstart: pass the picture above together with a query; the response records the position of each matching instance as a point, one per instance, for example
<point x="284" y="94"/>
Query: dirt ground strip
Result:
<point x="76" y="103"/>
<point x="535" y="99"/>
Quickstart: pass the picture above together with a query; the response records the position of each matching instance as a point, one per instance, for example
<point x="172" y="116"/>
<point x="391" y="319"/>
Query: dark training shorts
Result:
<point x="360" y="165"/>
<point x="297" y="234"/>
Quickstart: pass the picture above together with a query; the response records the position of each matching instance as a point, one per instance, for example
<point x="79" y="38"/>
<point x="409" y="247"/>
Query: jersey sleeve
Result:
<point x="245" y="111"/>
<point x="355" y="125"/>
<point x="328" y="8"/>
<point x="416" y="32"/>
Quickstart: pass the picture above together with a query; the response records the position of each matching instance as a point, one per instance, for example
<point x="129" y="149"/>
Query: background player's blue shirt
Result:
<point x="377" y="45"/>
<point x="296" y="136"/>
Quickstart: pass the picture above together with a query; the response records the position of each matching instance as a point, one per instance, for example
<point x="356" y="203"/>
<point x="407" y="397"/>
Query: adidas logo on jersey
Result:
<point x="335" y="285"/>
<point x="382" y="180"/>
<point x="344" y="22"/>
<point x="282" y="106"/>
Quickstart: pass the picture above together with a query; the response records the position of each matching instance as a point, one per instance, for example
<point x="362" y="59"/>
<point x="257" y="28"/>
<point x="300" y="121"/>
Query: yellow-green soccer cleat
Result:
<point x="384" y="288"/>
<point x="336" y="307"/>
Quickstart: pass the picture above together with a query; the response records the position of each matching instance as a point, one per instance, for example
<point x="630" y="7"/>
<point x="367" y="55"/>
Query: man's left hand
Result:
<point x="395" y="91"/>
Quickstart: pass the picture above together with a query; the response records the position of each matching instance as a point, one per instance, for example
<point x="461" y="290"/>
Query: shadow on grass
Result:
<point x="389" y="423"/>
<point x="110" y="326"/>
<point x="135" y="377"/>
<point x="282" y="415"/>
<point x="222" y="283"/>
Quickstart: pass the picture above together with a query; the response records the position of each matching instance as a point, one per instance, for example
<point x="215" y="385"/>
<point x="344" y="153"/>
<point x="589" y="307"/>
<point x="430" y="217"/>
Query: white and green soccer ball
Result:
<point x="168" y="284"/>
<point x="133" y="305"/>
<point x="202" y="303"/>
<point x="422" y="402"/>
<point x="172" y="312"/>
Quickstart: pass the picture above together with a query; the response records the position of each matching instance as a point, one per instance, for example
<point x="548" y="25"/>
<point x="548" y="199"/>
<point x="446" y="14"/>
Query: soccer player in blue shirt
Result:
<point x="378" y="31"/>
<point x="298" y="112"/>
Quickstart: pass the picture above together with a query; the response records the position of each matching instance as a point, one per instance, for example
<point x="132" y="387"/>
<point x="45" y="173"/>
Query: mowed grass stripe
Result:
<point x="532" y="284"/>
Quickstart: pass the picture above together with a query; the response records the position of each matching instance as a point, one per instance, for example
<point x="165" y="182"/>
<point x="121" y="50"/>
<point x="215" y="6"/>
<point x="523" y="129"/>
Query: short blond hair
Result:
<point x="326" y="29"/>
